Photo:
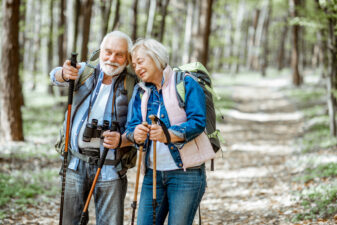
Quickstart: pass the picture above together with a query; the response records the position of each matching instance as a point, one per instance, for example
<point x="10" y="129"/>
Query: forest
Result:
<point x="273" y="65"/>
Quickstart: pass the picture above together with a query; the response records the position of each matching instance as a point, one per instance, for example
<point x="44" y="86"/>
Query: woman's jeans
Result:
<point x="178" y="194"/>
<point x="108" y="196"/>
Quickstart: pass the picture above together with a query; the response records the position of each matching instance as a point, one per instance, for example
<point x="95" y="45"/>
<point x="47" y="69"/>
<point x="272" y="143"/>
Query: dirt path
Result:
<point x="252" y="181"/>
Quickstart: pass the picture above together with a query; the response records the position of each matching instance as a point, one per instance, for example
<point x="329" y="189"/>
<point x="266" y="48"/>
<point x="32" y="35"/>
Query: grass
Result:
<point x="321" y="171"/>
<point x="318" y="197"/>
<point x="318" y="202"/>
<point x="317" y="137"/>
<point x="30" y="178"/>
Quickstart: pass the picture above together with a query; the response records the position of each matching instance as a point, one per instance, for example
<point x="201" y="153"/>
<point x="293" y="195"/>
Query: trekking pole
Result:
<point x="134" y="203"/>
<point x="65" y="154"/>
<point x="154" y="198"/>
<point x="84" y="215"/>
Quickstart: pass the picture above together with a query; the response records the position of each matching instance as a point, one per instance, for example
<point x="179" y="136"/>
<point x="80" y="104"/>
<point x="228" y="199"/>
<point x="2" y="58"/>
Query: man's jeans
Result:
<point x="108" y="196"/>
<point x="178" y="194"/>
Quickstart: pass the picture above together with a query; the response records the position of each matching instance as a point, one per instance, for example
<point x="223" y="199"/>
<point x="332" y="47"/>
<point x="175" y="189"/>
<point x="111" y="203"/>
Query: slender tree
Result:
<point x="134" y="21"/>
<point x="116" y="19"/>
<point x="10" y="110"/>
<point x="50" y="43"/>
<point x="61" y="34"/>
<point x="77" y="16"/>
<point x="105" y="7"/>
<point x="87" y="9"/>
<point x="201" y="46"/>
<point x="297" y="79"/>
<point x="265" y="36"/>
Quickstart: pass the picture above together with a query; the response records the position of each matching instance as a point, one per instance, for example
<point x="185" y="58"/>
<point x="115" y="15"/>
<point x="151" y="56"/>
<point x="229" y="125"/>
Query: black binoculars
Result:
<point x="92" y="130"/>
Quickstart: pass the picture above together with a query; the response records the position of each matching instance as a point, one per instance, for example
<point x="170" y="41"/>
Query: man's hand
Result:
<point x="140" y="133"/>
<point x="68" y="72"/>
<point x="157" y="133"/>
<point x="111" y="139"/>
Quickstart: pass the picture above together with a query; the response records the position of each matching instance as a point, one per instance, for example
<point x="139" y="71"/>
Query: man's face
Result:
<point x="114" y="56"/>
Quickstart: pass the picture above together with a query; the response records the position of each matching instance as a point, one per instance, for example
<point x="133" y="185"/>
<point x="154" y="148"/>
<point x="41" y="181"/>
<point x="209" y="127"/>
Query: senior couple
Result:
<point x="100" y="97"/>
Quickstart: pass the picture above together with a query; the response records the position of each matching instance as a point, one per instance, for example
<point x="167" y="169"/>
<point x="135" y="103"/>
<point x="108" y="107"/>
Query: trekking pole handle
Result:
<point x="73" y="63"/>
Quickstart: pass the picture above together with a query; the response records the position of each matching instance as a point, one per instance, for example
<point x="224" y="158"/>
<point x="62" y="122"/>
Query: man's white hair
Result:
<point x="119" y="34"/>
<point x="154" y="49"/>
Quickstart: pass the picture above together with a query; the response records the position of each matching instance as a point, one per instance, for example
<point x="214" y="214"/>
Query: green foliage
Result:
<point x="318" y="202"/>
<point x="307" y="94"/>
<point x="321" y="171"/>
<point x="318" y="137"/>
<point x="17" y="189"/>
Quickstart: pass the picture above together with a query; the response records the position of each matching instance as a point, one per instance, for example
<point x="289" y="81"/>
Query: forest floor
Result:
<point x="254" y="181"/>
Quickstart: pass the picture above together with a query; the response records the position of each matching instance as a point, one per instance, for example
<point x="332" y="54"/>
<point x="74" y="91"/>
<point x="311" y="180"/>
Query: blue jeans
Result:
<point x="108" y="196"/>
<point x="178" y="194"/>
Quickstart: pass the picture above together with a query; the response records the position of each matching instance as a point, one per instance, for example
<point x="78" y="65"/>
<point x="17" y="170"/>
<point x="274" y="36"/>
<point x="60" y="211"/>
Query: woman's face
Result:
<point x="145" y="68"/>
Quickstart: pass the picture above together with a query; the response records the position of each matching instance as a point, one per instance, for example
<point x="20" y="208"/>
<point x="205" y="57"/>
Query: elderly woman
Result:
<point x="181" y="178"/>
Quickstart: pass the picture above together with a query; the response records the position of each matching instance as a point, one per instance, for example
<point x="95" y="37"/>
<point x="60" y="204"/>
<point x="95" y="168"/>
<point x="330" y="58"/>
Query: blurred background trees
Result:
<point x="229" y="36"/>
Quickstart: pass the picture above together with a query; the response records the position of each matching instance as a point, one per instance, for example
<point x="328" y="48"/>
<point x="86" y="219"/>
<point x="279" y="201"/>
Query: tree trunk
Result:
<point x="77" y="17"/>
<point x="87" y="9"/>
<point x="11" y="118"/>
<point x="202" y="39"/>
<point x="134" y="21"/>
<point x="37" y="42"/>
<point x="116" y="19"/>
<point x="105" y="15"/>
<point x="281" y="51"/>
<point x="50" y="52"/>
<point x="265" y="54"/>
<point x="61" y="36"/>
<point x="163" y="19"/>
<point x="297" y="80"/>
<point x="188" y="32"/>
<point x="151" y="16"/>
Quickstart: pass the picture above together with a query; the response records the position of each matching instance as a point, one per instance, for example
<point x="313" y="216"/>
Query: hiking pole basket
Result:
<point x="134" y="203"/>
<point x="65" y="154"/>
<point x="154" y="199"/>
<point x="84" y="215"/>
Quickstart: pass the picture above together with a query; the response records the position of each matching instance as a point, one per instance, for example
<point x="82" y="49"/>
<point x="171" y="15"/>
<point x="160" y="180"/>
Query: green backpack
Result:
<point x="199" y="73"/>
<point x="128" y="154"/>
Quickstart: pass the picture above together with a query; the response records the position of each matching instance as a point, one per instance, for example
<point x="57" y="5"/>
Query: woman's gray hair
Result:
<point x="154" y="49"/>
<point x="119" y="34"/>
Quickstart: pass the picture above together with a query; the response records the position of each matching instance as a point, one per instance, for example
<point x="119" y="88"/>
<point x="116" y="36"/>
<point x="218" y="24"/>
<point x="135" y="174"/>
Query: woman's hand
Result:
<point x="157" y="133"/>
<point x="140" y="133"/>
<point x="111" y="139"/>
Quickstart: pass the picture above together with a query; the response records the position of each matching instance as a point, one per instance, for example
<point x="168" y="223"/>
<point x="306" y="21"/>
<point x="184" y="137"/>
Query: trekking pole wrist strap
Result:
<point x="165" y="130"/>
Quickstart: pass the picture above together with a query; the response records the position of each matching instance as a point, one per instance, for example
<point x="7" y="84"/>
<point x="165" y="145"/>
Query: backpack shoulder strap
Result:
<point x="90" y="66"/>
<point x="180" y="87"/>
<point x="129" y="83"/>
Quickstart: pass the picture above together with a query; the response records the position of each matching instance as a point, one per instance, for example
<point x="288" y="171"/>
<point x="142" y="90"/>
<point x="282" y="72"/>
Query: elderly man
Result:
<point x="101" y="94"/>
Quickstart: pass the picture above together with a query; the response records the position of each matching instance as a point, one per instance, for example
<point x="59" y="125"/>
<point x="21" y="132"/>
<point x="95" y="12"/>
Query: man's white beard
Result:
<point x="110" y="71"/>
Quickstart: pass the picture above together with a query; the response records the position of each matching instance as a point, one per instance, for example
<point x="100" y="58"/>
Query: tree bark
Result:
<point x="77" y="16"/>
<point x="116" y="19"/>
<point x="134" y="21"/>
<point x="188" y="32"/>
<point x="201" y="46"/>
<point x="281" y="51"/>
<point x="50" y="52"/>
<point x="87" y="9"/>
<point x="37" y="41"/>
<point x="150" y="20"/>
<point x="105" y="15"/>
<point x="265" y="54"/>
<point x="297" y="79"/>
<point x="61" y="36"/>
<point x="11" y="118"/>
<point x="163" y="20"/>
